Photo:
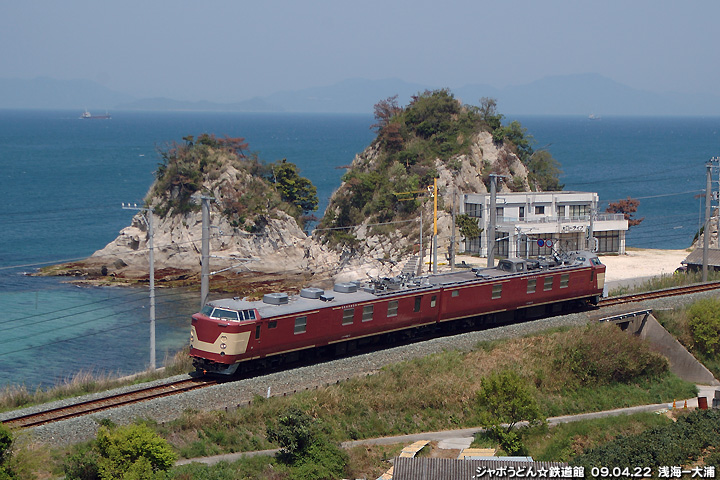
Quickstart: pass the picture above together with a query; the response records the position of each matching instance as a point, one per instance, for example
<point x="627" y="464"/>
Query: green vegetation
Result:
<point x="434" y="126"/>
<point x="6" y="442"/>
<point x="440" y="391"/>
<point x="249" y="190"/>
<point x="306" y="447"/>
<point x="697" y="328"/>
<point x="129" y="452"/>
<point x="448" y="390"/>
<point x="561" y="442"/>
<point x="699" y="431"/>
<point x="504" y="398"/>
<point x="468" y="226"/>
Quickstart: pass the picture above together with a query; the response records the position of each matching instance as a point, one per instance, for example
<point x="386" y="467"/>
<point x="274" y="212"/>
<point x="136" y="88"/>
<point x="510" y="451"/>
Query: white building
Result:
<point x="537" y="223"/>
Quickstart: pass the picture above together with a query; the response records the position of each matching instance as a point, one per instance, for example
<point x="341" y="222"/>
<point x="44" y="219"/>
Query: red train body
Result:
<point x="228" y="332"/>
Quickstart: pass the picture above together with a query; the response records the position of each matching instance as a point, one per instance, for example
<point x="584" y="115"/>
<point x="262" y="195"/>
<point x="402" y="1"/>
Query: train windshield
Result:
<point x="207" y="310"/>
<point x="222" y="313"/>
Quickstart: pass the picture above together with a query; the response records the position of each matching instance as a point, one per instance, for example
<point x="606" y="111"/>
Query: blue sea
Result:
<point x="63" y="181"/>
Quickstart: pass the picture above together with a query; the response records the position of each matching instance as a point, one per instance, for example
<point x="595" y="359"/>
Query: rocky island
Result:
<point x="372" y="224"/>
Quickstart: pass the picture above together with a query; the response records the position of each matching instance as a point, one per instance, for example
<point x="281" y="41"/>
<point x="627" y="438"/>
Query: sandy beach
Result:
<point x="640" y="264"/>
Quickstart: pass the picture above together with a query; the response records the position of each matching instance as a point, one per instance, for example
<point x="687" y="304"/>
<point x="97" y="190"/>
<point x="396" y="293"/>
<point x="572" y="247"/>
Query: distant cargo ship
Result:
<point x="87" y="114"/>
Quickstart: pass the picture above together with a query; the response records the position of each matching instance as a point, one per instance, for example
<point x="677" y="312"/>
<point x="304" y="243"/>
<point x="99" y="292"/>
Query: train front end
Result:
<point x="219" y="338"/>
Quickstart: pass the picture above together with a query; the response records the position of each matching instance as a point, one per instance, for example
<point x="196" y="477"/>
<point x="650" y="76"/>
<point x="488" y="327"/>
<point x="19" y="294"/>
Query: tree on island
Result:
<point x="627" y="207"/>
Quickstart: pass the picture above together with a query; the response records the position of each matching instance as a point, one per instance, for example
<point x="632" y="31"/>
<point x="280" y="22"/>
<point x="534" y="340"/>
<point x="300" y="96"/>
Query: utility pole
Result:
<point x="435" y="239"/>
<point x="452" y="237"/>
<point x="493" y="219"/>
<point x="422" y="252"/>
<point x="146" y="214"/>
<point x="706" y="228"/>
<point x="205" y="253"/>
<point x="716" y="161"/>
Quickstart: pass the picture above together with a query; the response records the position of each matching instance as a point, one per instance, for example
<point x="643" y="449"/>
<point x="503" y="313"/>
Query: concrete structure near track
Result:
<point x="530" y="224"/>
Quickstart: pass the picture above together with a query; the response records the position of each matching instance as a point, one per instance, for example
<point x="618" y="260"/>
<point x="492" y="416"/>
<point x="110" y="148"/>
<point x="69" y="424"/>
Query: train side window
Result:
<point x="418" y="301"/>
<point x="348" y="316"/>
<point x="532" y="283"/>
<point x="497" y="291"/>
<point x="272" y="324"/>
<point x="433" y="300"/>
<point x="548" y="284"/>
<point x="367" y="313"/>
<point x="257" y="332"/>
<point x="564" y="280"/>
<point x="392" y="308"/>
<point x="300" y="325"/>
<point x="456" y="293"/>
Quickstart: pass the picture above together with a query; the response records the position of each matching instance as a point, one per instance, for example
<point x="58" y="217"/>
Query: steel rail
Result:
<point x="105" y="403"/>
<point x="668" y="292"/>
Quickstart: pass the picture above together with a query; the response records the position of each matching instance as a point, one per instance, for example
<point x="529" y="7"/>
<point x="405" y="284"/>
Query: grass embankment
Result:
<point x="573" y="371"/>
<point x="568" y="371"/>
<point x="82" y="383"/>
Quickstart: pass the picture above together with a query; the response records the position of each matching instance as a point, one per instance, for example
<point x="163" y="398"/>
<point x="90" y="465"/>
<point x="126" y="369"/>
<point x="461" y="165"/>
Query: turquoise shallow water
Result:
<point x="64" y="179"/>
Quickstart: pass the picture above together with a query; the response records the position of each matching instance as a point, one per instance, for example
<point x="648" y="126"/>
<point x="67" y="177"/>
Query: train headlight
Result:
<point x="192" y="337"/>
<point x="223" y="346"/>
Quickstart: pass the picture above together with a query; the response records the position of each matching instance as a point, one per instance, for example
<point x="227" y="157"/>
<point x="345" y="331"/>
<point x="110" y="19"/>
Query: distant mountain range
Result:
<point x="581" y="94"/>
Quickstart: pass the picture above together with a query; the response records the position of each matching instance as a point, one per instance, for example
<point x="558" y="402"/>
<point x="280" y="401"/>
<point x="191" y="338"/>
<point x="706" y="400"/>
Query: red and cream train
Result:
<point x="230" y="332"/>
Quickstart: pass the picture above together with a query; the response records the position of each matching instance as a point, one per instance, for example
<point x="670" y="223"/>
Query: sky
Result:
<point x="228" y="50"/>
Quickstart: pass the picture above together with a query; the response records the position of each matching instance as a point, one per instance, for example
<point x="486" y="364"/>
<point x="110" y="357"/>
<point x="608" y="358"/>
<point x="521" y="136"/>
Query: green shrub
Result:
<point x="6" y="442"/>
<point x="129" y="452"/>
<point x="305" y="447"/>
<point x="678" y="443"/>
<point x="704" y="323"/>
<point x="624" y="357"/>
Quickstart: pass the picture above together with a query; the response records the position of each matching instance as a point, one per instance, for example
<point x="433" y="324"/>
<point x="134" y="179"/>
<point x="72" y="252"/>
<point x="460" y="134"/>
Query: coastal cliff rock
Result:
<point x="254" y="222"/>
<point x="372" y="224"/>
<point x="374" y="216"/>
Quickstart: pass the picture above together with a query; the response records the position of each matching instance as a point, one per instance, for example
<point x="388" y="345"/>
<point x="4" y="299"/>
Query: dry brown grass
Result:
<point x="84" y="382"/>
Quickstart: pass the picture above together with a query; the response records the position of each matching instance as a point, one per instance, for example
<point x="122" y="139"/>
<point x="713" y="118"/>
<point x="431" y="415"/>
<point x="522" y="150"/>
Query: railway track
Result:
<point x="148" y="393"/>
<point x="668" y="292"/>
<point x="97" y="405"/>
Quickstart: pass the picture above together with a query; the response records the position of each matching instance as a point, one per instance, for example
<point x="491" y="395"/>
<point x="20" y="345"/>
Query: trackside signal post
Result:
<point x="146" y="213"/>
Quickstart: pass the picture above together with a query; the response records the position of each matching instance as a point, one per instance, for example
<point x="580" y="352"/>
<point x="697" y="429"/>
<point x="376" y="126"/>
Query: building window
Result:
<point x="348" y="316"/>
<point x="418" y="302"/>
<point x="473" y="245"/>
<point x="579" y="211"/>
<point x="532" y="282"/>
<point x="564" y="280"/>
<point x="500" y="212"/>
<point x="561" y="211"/>
<point x="521" y="213"/>
<point x="456" y="293"/>
<point x="548" y="283"/>
<point x="497" y="291"/>
<point x="540" y="210"/>
<point x="433" y="299"/>
<point x="473" y="210"/>
<point x="608" y="242"/>
<point x="367" y="313"/>
<point x="392" y="308"/>
<point x="502" y="244"/>
<point x="300" y="325"/>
